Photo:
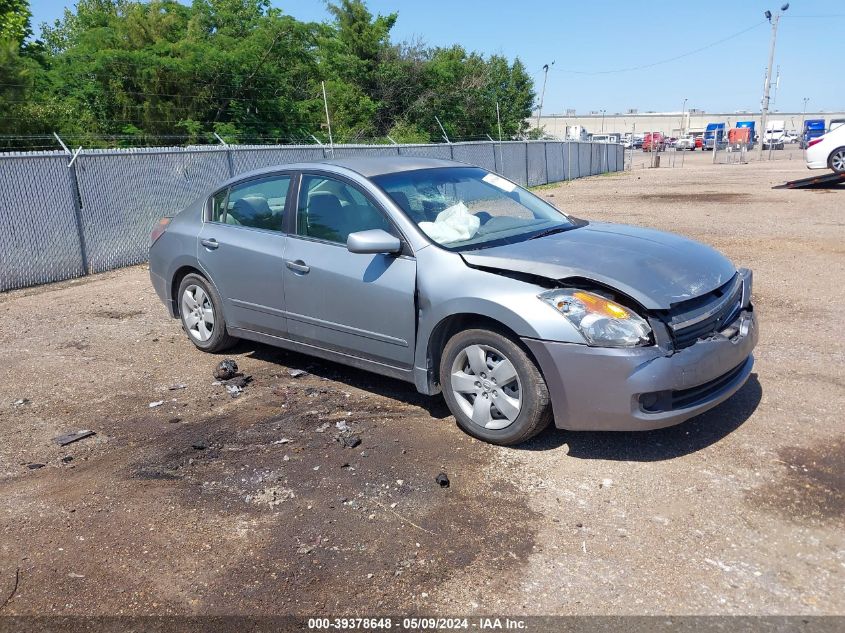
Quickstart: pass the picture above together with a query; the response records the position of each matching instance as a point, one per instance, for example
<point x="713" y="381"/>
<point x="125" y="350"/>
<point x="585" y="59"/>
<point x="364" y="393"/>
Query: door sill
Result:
<point x="400" y="373"/>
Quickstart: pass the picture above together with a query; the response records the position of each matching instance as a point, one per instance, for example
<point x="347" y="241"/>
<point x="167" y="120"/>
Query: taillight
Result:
<point x="158" y="230"/>
<point x="814" y="141"/>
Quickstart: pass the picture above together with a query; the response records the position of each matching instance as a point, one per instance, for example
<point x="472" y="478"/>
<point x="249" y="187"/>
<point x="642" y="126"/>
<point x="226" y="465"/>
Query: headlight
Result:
<point x="602" y="322"/>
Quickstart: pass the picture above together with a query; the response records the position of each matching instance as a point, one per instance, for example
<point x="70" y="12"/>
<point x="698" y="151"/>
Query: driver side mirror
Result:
<point x="372" y="242"/>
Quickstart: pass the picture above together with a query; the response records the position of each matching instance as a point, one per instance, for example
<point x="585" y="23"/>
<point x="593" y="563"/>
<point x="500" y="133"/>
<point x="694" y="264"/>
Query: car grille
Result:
<point x="706" y="315"/>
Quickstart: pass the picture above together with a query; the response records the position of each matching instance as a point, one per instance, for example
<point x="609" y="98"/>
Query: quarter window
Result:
<point x="330" y="210"/>
<point x="258" y="204"/>
<point x="218" y="206"/>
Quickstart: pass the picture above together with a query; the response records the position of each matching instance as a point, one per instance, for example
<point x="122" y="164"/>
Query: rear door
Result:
<point x="360" y="305"/>
<point x="242" y="249"/>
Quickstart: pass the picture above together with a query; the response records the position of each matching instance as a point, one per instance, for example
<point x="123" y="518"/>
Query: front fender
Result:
<point x="457" y="289"/>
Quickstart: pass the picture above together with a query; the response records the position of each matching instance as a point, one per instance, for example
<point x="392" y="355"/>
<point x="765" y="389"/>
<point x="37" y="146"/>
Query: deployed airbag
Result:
<point x="453" y="224"/>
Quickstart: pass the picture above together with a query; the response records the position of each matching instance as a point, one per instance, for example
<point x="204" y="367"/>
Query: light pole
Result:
<point x="543" y="92"/>
<point x="764" y="109"/>
<point x="683" y="109"/>
<point x="803" y="117"/>
<point x="602" y="121"/>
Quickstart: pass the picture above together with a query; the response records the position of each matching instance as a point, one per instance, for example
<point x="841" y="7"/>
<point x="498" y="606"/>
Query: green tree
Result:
<point x="159" y="71"/>
<point x="15" y="19"/>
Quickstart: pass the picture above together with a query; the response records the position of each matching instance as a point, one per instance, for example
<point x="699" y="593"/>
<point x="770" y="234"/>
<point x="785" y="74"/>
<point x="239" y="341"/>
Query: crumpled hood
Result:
<point x="656" y="269"/>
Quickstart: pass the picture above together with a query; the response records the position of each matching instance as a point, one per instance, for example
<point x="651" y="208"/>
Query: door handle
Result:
<point x="298" y="266"/>
<point x="210" y="243"/>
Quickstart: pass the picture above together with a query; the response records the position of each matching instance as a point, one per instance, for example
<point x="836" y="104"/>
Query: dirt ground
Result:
<point x="252" y="505"/>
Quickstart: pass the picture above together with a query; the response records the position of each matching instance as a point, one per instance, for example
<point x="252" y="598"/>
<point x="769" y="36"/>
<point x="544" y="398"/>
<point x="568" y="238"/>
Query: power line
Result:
<point x="662" y="61"/>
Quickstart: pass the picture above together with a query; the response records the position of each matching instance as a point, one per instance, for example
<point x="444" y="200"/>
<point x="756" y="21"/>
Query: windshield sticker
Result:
<point x="498" y="181"/>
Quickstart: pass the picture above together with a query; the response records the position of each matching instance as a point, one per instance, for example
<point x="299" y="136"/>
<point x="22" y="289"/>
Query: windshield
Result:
<point x="464" y="208"/>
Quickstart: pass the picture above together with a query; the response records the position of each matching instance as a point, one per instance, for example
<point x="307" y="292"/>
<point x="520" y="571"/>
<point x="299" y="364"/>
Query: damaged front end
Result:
<point x="700" y="355"/>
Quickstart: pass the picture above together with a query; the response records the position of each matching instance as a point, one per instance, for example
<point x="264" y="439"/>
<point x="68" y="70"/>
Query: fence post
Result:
<point x="526" y="163"/>
<point x="546" y="160"/>
<point x="76" y="198"/>
<point x="228" y="155"/>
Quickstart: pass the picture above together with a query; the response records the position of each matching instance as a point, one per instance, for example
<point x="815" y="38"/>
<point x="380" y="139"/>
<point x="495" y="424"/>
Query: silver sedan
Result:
<point x="459" y="281"/>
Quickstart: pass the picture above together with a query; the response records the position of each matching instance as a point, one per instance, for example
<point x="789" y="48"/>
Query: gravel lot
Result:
<point x="198" y="505"/>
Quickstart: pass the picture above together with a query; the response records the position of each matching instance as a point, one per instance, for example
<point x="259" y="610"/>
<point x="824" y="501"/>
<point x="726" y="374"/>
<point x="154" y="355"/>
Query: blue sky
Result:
<point x="608" y="35"/>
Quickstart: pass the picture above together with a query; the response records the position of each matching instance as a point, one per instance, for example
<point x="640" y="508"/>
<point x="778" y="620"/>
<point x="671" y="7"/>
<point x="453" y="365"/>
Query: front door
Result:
<point x="360" y="305"/>
<point x="242" y="249"/>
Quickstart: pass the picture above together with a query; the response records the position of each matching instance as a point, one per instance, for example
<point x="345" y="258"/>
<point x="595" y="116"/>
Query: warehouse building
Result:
<point x="669" y="123"/>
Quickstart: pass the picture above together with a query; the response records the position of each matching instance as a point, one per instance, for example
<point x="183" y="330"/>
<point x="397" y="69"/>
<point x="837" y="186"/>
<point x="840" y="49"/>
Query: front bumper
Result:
<point x="637" y="389"/>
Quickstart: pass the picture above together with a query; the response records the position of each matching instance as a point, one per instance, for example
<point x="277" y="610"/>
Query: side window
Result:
<point x="330" y="210"/>
<point x="218" y="205"/>
<point x="258" y="204"/>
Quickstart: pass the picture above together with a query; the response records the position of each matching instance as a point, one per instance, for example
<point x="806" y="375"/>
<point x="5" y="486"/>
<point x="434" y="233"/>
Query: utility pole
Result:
<point x="764" y="109"/>
<point x="543" y="92"/>
<point x="602" y="121"/>
<point x="683" y="109"/>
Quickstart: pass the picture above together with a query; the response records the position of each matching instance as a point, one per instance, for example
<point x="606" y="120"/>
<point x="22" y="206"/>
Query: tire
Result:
<point x="201" y="313"/>
<point x="471" y="364"/>
<point x="836" y="161"/>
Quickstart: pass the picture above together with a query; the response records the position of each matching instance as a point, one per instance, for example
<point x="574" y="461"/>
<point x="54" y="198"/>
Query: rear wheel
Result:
<point x="837" y="160"/>
<point x="201" y="311"/>
<point x="493" y="388"/>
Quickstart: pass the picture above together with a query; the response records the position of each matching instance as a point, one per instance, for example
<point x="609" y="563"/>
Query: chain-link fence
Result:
<point x="66" y="216"/>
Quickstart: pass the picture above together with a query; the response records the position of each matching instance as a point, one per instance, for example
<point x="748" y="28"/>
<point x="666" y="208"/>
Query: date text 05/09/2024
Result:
<point x="417" y="624"/>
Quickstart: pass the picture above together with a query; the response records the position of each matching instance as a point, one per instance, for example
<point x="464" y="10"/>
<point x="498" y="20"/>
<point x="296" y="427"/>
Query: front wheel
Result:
<point x="201" y="311"/>
<point x="493" y="388"/>
<point x="837" y="160"/>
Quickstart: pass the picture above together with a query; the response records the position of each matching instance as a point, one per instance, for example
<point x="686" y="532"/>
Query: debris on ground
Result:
<point x="442" y="480"/>
<point x="21" y="402"/>
<point x="322" y="428"/>
<point x="234" y="390"/>
<point x="67" y="459"/>
<point x="606" y="483"/>
<point x="174" y="420"/>
<point x="35" y="465"/>
<point x="342" y="426"/>
<point x="155" y="404"/>
<point x="350" y="441"/>
<point x="238" y="381"/>
<point x="284" y="440"/>
<point x="297" y="373"/>
<point x="199" y="445"/>
<point x="178" y="386"/>
<point x="70" y="438"/>
<point x="226" y="369"/>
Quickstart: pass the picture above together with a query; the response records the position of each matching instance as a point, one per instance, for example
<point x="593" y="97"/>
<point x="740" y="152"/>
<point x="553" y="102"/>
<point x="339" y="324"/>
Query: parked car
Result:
<point x="653" y="142"/>
<point x="459" y="281"/>
<point x="686" y="142"/>
<point x="827" y="151"/>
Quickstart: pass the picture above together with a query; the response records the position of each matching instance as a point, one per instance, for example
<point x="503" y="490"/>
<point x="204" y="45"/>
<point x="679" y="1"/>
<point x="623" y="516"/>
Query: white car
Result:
<point x="686" y="142"/>
<point x="827" y="151"/>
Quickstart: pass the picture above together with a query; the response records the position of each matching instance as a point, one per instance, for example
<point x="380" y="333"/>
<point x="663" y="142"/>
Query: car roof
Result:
<point x="367" y="166"/>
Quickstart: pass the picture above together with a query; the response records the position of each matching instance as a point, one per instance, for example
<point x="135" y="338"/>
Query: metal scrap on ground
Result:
<point x="70" y="438"/>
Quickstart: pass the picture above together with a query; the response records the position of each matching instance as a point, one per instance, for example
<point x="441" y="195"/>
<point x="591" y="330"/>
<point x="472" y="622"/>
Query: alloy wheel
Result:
<point x="486" y="386"/>
<point x="198" y="313"/>
<point x="837" y="161"/>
